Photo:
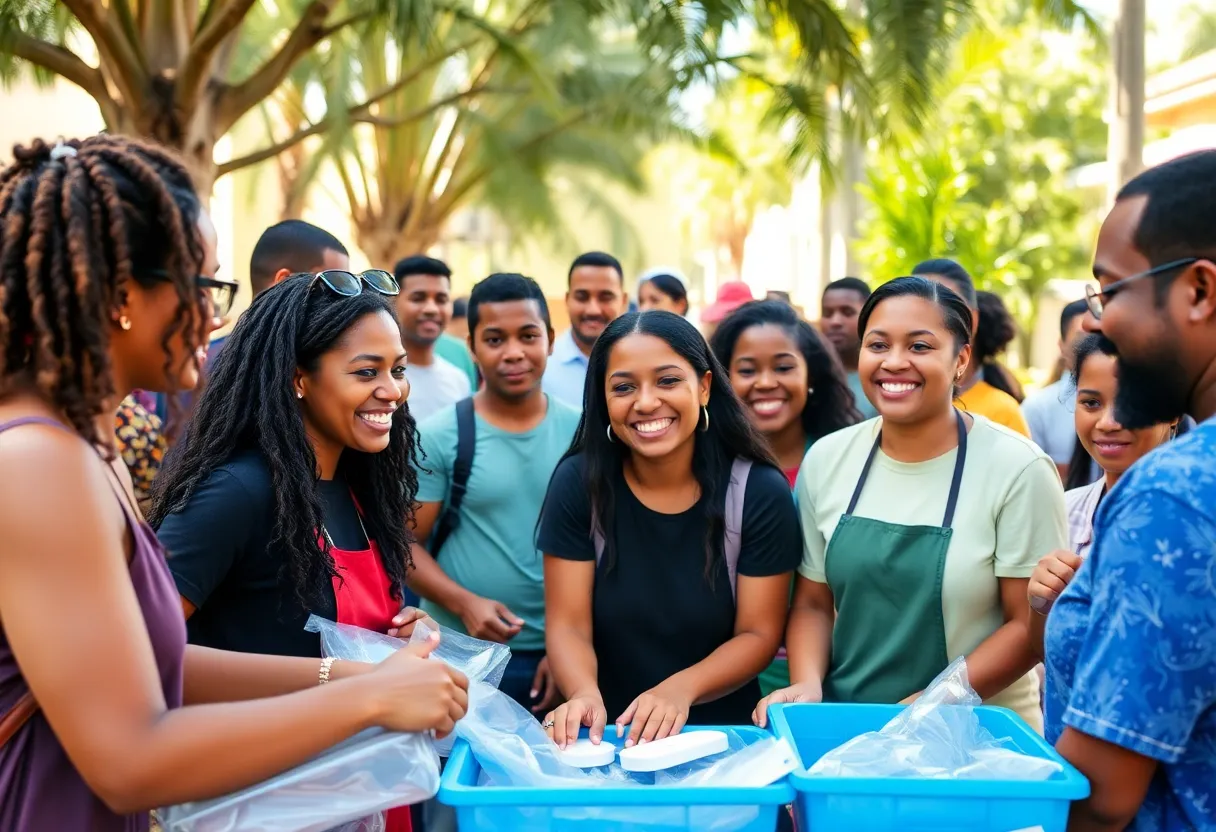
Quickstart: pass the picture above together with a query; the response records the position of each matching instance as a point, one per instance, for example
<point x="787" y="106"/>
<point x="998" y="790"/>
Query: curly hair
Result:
<point x="248" y="404"/>
<point x="81" y="222"/>
<point x="832" y="405"/>
<point x="997" y="330"/>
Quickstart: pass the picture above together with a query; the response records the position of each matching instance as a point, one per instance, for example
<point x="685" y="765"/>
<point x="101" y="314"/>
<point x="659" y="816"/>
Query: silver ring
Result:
<point x="548" y="723"/>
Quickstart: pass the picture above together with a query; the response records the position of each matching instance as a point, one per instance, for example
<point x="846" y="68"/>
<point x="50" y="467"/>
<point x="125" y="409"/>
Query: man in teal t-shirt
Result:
<point x="488" y="578"/>
<point x="452" y="350"/>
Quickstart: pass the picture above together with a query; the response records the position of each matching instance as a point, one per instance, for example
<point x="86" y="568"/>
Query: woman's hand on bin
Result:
<point x="585" y="709"/>
<point x="804" y="692"/>
<point x="656" y="714"/>
<point x="1053" y="574"/>
<point x="413" y="694"/>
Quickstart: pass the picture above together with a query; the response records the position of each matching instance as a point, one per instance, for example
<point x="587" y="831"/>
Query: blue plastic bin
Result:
<point x="918" y="804"/>
<point x="634" y="808"/>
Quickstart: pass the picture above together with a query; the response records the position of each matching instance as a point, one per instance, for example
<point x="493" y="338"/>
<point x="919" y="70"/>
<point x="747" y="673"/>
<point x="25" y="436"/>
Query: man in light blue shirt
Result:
<point x="1051" y="412"/>
<point x="1131" y="643"/>
<point x="595" y="298"/>
<point x="487" y="579"/>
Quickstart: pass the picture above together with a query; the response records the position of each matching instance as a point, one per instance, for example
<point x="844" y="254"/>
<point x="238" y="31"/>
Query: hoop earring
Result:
<point x="1173" y="432"/>
<point x="705" y="413"/>
<point x="124" y="323"/>
<point x="611" y="438"/>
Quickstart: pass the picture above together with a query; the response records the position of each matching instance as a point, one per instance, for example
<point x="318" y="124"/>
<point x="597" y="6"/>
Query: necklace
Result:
<point x="362" y="528"/>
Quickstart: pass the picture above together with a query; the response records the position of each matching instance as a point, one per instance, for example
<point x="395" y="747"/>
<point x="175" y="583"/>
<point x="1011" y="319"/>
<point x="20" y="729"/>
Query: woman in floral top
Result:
<point x="142" y="443"/>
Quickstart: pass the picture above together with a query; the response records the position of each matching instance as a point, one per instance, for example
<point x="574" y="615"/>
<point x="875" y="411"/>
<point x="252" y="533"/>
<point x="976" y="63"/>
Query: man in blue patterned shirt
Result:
<point x="1131" y="643"/>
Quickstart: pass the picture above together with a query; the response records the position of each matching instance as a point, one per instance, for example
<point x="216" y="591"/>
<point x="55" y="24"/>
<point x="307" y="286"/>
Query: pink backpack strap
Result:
<point x="732" y="538"/>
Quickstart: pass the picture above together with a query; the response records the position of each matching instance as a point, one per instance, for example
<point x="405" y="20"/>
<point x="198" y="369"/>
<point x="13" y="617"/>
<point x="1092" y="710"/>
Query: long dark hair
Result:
<point x="81" y="223"/>
<point x="831" y="407"/>
<point x="730" y="435"/>
<point x="248" y="405"/>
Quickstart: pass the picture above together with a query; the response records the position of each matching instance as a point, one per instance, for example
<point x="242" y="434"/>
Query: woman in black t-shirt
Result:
<point x="655" y="614"/>
<point x="291" y="489"/>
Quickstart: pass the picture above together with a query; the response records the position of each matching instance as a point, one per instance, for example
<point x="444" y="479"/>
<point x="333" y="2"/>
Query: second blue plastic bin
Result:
<point x="826" y="804"/>
<point x="634" y="809"/>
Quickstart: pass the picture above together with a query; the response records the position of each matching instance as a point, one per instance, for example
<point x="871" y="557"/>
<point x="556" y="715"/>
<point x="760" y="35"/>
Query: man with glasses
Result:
<point x="1131" y="643"/>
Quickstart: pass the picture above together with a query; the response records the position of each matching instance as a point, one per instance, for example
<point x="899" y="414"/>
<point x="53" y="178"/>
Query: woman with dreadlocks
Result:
<point x="104" y="709"/>
<point x="287" y="492"/>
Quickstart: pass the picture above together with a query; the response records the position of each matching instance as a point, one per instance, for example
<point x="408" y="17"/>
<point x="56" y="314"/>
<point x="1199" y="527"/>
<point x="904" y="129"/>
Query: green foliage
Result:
<point x="988" y="183"/>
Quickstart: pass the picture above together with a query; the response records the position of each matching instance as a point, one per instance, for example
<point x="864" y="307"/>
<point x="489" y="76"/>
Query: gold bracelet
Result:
<point x="326" y="666"/>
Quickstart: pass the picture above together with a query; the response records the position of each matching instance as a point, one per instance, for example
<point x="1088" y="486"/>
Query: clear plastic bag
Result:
<point x="938" y="736"/>
<point x="368" y="773"/>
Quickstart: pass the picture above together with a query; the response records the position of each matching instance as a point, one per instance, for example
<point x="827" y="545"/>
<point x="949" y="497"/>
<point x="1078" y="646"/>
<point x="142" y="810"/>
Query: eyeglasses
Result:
<point x="349" y="284"/>
<point x="220" y="294"/>
<point x="1097" y="300"/>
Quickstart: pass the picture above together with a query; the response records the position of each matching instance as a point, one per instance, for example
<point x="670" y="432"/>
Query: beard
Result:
<point x="1151" y="391"/>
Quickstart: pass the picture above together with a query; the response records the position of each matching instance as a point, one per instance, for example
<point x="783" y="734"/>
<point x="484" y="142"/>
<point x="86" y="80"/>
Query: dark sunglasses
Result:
<point x="220" y="294"/>
<point x="349" y="284"/>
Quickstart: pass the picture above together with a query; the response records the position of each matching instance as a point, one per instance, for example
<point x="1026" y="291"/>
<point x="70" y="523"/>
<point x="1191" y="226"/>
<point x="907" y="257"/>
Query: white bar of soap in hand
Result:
<point x="586" y="754"/>
<point x="673" y="751"/>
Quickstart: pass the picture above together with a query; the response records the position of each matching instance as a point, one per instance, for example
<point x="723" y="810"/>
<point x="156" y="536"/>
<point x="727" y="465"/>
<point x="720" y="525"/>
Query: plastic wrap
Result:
<point x="937" y="736"/>
<point x="370" y="772"/>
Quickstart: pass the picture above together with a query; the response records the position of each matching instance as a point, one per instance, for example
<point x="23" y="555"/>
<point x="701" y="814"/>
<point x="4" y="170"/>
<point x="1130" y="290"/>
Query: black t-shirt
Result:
<point x="220" y="557"/>
<point x="654" y="613"/>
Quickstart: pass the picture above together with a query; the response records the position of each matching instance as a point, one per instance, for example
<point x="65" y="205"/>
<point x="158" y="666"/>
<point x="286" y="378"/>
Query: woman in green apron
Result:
<point x="793" y="390"/>
<point x="920" y="528"/>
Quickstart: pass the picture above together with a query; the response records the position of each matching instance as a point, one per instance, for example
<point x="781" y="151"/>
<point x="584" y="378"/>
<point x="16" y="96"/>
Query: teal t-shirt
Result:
<point x="454" y="351"/>
<point x="859" y="397"/>
<point x="492" y="552"/>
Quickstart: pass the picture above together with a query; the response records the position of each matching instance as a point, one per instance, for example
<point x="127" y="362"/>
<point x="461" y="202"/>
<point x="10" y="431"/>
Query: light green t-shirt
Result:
<point x="1010" y="513"/>
<point x="492" y="552"/>
<point x="454" y="351"/>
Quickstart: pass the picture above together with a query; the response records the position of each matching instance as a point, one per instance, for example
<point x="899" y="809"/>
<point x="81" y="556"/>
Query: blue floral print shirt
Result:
<point x="1131" y="644"/>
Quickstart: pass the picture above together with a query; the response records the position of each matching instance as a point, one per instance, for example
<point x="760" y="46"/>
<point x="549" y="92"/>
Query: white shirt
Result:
<point x="434" y="386"/>
<point x="566" y="373"/>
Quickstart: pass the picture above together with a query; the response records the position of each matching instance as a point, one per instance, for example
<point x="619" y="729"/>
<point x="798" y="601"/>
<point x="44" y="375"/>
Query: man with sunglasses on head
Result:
<point x="424" y="308"/>
<point x="1131" y="642"/>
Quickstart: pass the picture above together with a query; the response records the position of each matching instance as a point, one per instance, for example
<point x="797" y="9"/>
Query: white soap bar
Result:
<point x="586" y="754"/>
<point x="673" y="751"/>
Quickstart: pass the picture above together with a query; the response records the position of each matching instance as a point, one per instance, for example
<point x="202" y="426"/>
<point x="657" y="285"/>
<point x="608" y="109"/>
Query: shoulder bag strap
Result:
<point x="17" y="716"/>
<point x="732" y="542"/>
<point x="462" y="468"/>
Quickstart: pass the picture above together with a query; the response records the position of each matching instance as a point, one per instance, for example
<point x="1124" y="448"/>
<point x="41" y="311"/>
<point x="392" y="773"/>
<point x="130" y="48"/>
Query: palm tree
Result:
<point x="165" y="68"/>
<point x="493" y="109"/>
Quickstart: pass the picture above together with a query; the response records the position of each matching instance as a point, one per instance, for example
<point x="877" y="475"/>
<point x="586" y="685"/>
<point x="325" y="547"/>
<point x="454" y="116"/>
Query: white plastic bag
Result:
<point x="370" y="772"/>
<point x="938" y="736"/>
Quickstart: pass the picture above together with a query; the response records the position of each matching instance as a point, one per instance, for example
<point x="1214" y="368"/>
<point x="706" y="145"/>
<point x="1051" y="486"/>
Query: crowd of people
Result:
<point x="667" y="525"/>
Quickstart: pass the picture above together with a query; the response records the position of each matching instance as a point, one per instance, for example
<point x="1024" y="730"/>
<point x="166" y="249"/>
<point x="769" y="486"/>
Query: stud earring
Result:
<point x="611" y="438"/>
<point x="124" y="323"/>
<point x="299" y="395"/>
<point x="810" y="391"/>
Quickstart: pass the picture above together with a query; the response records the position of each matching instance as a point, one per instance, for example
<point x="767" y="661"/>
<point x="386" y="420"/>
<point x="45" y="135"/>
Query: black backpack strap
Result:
<point x="466" y="443"/>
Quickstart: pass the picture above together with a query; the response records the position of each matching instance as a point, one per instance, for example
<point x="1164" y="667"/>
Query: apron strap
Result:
<point x="955" y="483"/>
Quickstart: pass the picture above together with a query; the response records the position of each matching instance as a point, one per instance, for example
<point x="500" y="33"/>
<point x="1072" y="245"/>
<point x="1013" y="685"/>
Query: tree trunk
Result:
<point x="1125" y="148"/>
<point x="193" y="140"/>
<point x="384" y="244"/>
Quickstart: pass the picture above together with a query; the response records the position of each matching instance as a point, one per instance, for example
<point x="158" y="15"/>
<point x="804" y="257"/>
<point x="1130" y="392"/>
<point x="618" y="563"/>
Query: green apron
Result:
<point x="889" y="640"/>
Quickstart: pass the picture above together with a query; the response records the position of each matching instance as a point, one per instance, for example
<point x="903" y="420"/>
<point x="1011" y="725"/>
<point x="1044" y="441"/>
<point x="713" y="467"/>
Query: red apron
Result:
<point x="364" y="598"/>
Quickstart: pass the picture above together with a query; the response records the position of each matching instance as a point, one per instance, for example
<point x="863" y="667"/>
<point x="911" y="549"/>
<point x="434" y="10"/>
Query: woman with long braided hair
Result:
<point x="104" y="710"/>
<point x="287" y="492"/>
